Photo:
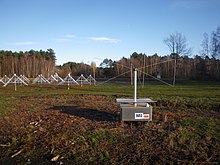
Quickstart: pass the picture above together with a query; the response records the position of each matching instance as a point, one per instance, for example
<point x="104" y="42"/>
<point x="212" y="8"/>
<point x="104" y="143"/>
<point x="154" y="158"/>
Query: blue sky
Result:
<point x="91" y="30"/>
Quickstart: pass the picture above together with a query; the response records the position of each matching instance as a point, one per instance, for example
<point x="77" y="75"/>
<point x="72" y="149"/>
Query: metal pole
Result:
<point x="81" y="80"/>
<point x="15" y="86"/>
<point x="174" y="73"/>
<point x="41" y="80"/>
<point x="135" y="86"/>
<point x="143" y="71"/>
<point x="131" y="75"/>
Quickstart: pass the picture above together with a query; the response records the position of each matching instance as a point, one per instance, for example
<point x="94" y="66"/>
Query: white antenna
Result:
<point x="40" y="79"/>
<point x="135" y="100"/>
<point x="135" y="86"/>
<point x="136" y="109"/>
<point x="15" y="80"/>
<point x="5" y="79"/>
<point x="2" y="81"/>
<point x="58" y="78"/>
<point x="69" y="80"/>
<point x="82" y="80"/>
<point x="52" y="79"/>
<point x="145" y="73"/>
<point x="25" y="79"/>
<point x="174" y="72"/>
<point x="91" y="80"/>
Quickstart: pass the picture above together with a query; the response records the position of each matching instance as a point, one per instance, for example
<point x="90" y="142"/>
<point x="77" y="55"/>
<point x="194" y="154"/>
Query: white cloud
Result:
<point x="61" y="40"/>
<point x="65" y="38"/>
<point x="105" y="39"/>
<point x="69" y="36"/>
<point x="23" y="43"/>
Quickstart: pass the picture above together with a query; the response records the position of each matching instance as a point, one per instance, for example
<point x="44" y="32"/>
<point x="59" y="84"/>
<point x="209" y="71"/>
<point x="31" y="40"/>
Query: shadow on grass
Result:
<point x="90" y="114"/>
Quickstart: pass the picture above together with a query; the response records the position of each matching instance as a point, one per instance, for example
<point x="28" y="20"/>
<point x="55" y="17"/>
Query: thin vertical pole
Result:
<point x="15" y="86"/>
<point x="135" y="86"/>
<point x="41" y="80"/>
<point x="81" y="84"/>
<point x="131" y="75"/>
<point x="143" y="71"/>
<point x="174" y="73"/>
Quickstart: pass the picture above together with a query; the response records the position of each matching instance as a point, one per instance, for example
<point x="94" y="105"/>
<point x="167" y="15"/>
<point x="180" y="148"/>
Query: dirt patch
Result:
<point x="84" y="129"/>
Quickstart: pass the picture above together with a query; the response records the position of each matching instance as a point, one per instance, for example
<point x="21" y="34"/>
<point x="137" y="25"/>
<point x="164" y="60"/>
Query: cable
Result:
<point x="172" y="85"/>
<point x="113" y="78"/>
<point x="156" y="64"/>
<point x="157" y="79"/>
<point x="122" y="65"/>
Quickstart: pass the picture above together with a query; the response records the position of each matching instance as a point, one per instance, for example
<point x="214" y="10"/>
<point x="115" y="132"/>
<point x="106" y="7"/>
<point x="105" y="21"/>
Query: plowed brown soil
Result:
<point x="84" y="129"/>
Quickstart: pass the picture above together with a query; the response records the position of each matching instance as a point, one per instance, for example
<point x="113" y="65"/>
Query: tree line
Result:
<point x="29" y="63"/>
<point x="195" y="68"/>
<point x="32" y="63"/>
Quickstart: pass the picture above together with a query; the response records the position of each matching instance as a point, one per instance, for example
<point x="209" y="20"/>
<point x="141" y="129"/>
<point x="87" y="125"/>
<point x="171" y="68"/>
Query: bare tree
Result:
<point x="215" y="43"/>
<point x="93" y="65"/>
<point x="177" y="44"/>
<point x="205" y="45"/>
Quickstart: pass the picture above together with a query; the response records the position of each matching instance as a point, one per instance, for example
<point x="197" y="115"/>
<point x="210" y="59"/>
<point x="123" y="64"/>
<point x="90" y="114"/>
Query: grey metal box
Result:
<point x="135" y="113"/>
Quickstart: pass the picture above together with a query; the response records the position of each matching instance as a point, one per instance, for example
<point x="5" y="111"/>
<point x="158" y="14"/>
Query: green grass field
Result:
<point x="194" y="95"/>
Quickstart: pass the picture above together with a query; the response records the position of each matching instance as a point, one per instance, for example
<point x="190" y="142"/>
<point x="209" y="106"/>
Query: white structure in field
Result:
<point x="58" y="78"/>
<point x="40" y="79"/>
<point x="5" y="79"/>
<point x="52" y="79"/>
<point x="24" y="78"/>
<point x="91" y="80"/>
<point x="69" y="80"/>
<point x="55" y="79"/>
<point x="82" y="80"/>
<point x="15" y="80"/>
<point x="2" y="81"/>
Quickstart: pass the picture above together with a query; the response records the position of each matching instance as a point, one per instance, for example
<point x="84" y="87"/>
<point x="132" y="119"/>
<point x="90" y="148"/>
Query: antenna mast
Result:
<point x="135" y="86"/>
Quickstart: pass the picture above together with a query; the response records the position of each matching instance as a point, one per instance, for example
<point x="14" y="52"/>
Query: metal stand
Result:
<point x="136" y="109"/>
